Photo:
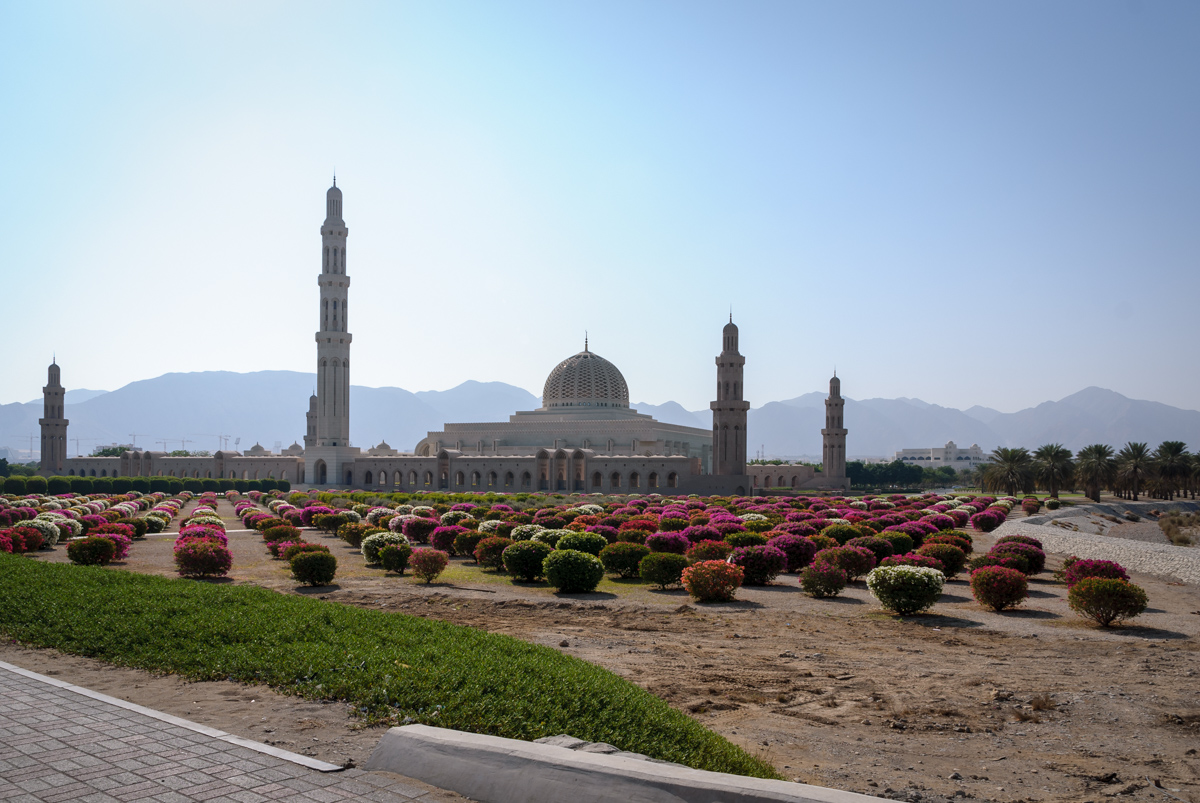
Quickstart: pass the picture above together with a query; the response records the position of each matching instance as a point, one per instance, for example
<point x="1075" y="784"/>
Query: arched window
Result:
<point x="508" y="480"/>
<point x="526" y="480"/>
<point x="383" y="478"/>
<point x="781" y="483"/>
<point x="672" y="480"/>
<point x="474" y="479"/>
<point x="615" y="480"/>
<point x="367" y="477"/>
<point x="726" y="390"/>
<point x="597" y="480"/>
<point x="491" y="479"/>
<point x="412" y="478"/>
<point x="71" y="473"/>
<point x="652" y="480"/>
<point x="459" y="479"/>
<point x="428" y="478"/>
<point x="634" y="480"/>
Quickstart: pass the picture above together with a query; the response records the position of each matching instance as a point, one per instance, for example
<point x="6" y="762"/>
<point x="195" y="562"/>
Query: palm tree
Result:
<point x="1134" y="465"/>
<point x="1174" y="464"/>
<point x="1096" y="469"/>
<point x="1053" y="467"/>
<point x="1010" y="469"/>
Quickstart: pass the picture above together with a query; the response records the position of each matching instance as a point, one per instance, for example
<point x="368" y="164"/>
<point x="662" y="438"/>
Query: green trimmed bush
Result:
<point x="1106" y="601"/>
<point x="314" y="568"/>
<point x="489" y="552"/>
<point x="295" y="549"/>
<point x="466" y="541"/>
<point x="524" y="559"/>
<point x="93" y="551"/>
<point x="394" y="557"/>
<point x="953" y="558"/>
<point x="591" y="543"/>
<point x="663" y="568"/>
<point x="572" y="571"/>
<point x="822" y="580"/>
<point x="741" y="539"/>
<point x="377" y="541"/>
<point x="622" y="558"/>
<point x="841" y="533"/>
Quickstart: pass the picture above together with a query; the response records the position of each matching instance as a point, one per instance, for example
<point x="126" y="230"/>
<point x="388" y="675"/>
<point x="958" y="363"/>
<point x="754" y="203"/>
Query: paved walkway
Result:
<point x="62" y="743"/>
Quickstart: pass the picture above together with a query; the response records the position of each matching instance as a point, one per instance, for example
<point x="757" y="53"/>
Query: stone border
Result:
<point x="286" y="755"/>
<point x="512" y="771"/>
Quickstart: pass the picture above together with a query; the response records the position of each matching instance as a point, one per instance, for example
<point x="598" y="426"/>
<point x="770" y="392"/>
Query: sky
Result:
<point x="965" y="203"/>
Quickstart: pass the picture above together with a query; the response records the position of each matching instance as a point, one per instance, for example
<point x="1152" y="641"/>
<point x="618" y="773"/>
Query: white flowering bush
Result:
<point x="452" y="517"/>
<point x="906" y="589"/>
<point x="403" y="510"/>
<point x="67" y="528"/>
<point x="396" y="523"/>
<point x="752" y="517"/>
<point x="526" y="532"/>
<point x="490" y="526"/>
<point x="420" y="510"/>
<point x="49" y="530"/>
<point x="377" y="541"/>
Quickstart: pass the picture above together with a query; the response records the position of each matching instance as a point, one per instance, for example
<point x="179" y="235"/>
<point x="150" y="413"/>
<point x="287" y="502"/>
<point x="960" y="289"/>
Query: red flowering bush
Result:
<point x="204" y="531"/>
<point x="1083" y="568"/>
<point x="913" y="559"/>
<point x="712" y="580"/>
<point x="202" y="557"/>
<point x="622" y="559"/>
<point x="91" y="551"/>
<point x="428" y="563"/>
<point x="954" y="539"/>
<point x="941" y="521"/>
<point x="953" y="559"/>
<point x="1035" y="556"/>
<point x="822" y="580"/>
<point x="999" y="587"/>
<point x="1019" y="539"/>
<point x="1105" y="600"/>
<point x="120" y="542"/>
<point x="489" y="552"/>
<point x="610" y="533"/>
<point x="760" y="564"/>
<point x="798" y="550"/>
<point x="854" y="561"/>
<point x="26" y="539"/>
<point x="1010" y="561"/>
<point x="709" y="550"/>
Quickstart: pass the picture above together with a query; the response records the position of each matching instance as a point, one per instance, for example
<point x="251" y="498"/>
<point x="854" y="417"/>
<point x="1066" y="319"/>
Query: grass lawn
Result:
<point x="391" y="667"/>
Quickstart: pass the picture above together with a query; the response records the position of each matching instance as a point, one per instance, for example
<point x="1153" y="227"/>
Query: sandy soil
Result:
<point x="1030" y="705"/>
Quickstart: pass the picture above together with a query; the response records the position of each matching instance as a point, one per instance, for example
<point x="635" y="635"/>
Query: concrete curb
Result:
<point x="259" y="747"/>
<point x="496" y="770"/>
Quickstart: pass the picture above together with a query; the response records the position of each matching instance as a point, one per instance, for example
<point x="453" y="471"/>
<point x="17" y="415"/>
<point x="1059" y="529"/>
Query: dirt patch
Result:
<point x="1031" y="705"/>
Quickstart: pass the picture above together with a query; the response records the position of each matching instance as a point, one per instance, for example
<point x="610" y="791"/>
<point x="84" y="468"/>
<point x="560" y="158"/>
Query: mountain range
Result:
<point x="192" y="410"/>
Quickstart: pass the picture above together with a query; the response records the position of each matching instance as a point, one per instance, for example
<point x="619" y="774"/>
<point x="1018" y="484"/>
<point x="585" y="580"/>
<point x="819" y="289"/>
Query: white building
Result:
<point x="948" y="455"/>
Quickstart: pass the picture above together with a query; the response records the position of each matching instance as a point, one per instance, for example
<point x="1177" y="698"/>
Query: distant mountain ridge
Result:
<point x="192" y="409"/>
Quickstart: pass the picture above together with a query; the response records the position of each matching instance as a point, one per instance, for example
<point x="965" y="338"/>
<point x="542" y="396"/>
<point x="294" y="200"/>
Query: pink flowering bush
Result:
<point x="761" y="564"/>
<point x="1035" y="556"/>
<point x="675" y="542"/>
<point x="427" y="564"/>
<point x="823" y="580"/>
<point x="998" y="587"/>
<point x="798" y="550"/>
<point x="913" y="559"/>
<point x="120" y="542"/>
<point x="1083" y="568"/>
<point x="712" y="580"/>
<point x="987" y="520"/>
<point x="854" y="561"/>
<point x="202" y="557"/>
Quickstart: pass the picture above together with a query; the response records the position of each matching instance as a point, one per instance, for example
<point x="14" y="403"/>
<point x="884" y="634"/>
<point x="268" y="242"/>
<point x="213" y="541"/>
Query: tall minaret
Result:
<point x="333" y="339"/>
<point x="729" y="410"/>
<point x="54" y="425"/>
<point x="833" y="437"/>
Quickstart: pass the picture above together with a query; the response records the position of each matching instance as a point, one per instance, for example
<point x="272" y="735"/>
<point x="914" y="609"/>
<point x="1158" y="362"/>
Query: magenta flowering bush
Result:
<point x="761" y="564"/>
<point x="675" y="542"/>
<point x="855" y="561"/>
<point x="1082" y="569"/>
<point x="443" y="538"/>
<point x="202" y="557"/>
<point x="796" y="528"/>
<point x="610" y="533"/>
<point x="205" y="531"/>
<point x="913" y="559"/>
<point x="987" y="520"/>
<point x="698" y="533"/>
<point x="940" y="521"/>
<point x="798" y="550"/>
<point x="121" y="544"/>
<point x="1035" y="556"/>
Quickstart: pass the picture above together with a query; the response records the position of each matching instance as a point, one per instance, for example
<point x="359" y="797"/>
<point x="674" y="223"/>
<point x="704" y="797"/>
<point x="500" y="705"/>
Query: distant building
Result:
<point x="948" y="455"/>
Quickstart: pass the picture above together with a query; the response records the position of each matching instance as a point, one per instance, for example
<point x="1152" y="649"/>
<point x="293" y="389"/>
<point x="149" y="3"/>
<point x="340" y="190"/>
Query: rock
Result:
<point x="564" y="643"/>
<point x="562" y="740"/>
<point x="997" y="694"/>
<point x="598" y="747"/>
<point x="954" y="776"/>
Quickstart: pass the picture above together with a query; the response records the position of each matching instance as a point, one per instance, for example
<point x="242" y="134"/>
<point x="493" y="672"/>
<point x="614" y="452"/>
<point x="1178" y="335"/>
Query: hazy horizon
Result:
<point x="964" y="204"/>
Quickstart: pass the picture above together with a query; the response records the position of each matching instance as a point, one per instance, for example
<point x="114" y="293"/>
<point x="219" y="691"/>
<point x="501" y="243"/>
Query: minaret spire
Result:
<point x="730" y="409"/>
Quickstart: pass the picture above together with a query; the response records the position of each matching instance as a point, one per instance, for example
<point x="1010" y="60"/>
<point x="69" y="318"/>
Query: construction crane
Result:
<point x="164" y="444"/>
<point x="77" y="440"/>
<point x="133" y="439"/>
<point x="222" y="440"/>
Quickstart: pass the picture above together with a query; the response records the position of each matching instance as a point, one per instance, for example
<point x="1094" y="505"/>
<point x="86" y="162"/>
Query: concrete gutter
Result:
<point x="496" y="770"/>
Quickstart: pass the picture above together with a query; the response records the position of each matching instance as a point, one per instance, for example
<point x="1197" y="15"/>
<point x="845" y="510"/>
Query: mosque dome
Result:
<point x="585" y="380"/>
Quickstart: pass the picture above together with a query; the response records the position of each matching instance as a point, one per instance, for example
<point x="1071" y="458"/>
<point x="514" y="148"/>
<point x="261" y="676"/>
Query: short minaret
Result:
<point x="729" y="410"/>
<point x="310" y="420"/>
<point x="333" y="339"/>
<point x="54" y="424"/>
<point x="833" y="436"/>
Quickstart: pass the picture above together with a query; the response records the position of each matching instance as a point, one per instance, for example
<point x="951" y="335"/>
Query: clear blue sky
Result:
<point x="962" y="202"/>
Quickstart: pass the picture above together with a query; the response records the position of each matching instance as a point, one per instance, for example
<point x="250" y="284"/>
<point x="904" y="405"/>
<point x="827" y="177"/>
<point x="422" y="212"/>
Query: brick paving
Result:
<point x="59" y="745"/>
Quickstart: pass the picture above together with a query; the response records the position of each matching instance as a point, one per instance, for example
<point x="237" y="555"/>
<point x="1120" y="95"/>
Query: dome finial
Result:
<point x="585" y="340"/>
<point x="335" y="176"/>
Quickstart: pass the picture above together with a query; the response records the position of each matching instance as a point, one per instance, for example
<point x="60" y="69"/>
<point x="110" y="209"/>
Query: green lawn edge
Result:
<point x="391" y="667"/>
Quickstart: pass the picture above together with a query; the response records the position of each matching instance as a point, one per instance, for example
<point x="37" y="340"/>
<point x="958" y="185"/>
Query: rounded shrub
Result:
<point x="419" y="529"/>
<point x="952" y="558"/>
<point x="842" y="533"/>
<point x="282" y="532"/>
<point x="913" y="559"/>
<point x="1035" y="556"/>
<point x="524" y="559"/>
<point x="314" y="568"/>
<point x="880" y="547"/>
<point x="905" y="589"/>
<point x="1019" y="539"/>
<point x="675" y="542"/>
<point x="489" y="553"/>
<point x="442" y="538"/>
<point x="1084" y="568"/>
<point x="573" y="572"/>
<point x="744" y="539"/>
<point x="854" y="561"/>
<point x="953" y="539"/>
<point x="798" y="550"/>
<point x="823" y="541"/>
<point x="551" y="537"/>
<point x="709" y="550"/>
<point x="200" y="557"/>
<point x="466" y="541"/>
<point x="591" y="543"/>
<point x="999" y="587"/>
<point x="1018" y="562"/>
<point x="353" y="532"/>
<point x="761" y="564"/>
<point x="822" y="580"/>
<point x="902" y="543"/>
<point x="622" y="559"/>
<point x="91" y="551"/>
<point x="663" y="568"/>
<point x="427" y="563"/>
<point x="394" y="557"/>
<point x="295" y="549"/>
<point x="377" y="541"/>
<point x="987" y="520"/>
<point x="712" y="580"/>
<point x="1105" y="601"/>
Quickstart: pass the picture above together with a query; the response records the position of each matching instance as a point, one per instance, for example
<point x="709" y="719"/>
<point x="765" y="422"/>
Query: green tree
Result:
<point x="1009" y="469"/>
<point x="1096" y="469"/>
<point x="1053" y="467"/>
<point x="108" y="451"/>
<point x="1134" y="466"/>
<point x="1174" y="465"/>
<point x="4" y="468"/>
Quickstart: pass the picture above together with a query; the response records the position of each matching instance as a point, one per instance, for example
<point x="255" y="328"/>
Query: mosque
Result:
<point x="585" y="438"/>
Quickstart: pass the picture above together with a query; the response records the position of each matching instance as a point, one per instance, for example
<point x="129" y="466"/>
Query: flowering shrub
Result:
<point x="591" y="543"/>
<point x="205" y="532"/>
<point x="905" y="589"/>
<point x="1081" y="569"/>
<point x="451" y="517"/>
<point x="760" y="564"/>
<point x="987" y="520"/>
<point x="1105" y="600"/>
<point x="999" y="587"/>
<point x="913" y="559"/>
<point x="1010" y="561"/>
<point x="202" y="557"/>
<point x="418" y="529"/>
<point x="939" y="520"/>
<point x="377" y="541"/>
<point x="798" y="550"/>
<point x="663" y="568"/>
<point x="841" y="533"/>
<point x="427" y="564"/>
<point x="1035" y="556"/>
<point x="353" y="532"/>
<point x="466" y="541"/>
<point x="442" y="538"/>
<point x="292" y="550"/>
<point x="880" y="547"/>
<point x="1019" y="539"/>
<point x="394" y="557"/>
<point x="622" y="559"/>
<point x="314" y="568"/>
<point x="822" y="580"/>
<point x="712" y="580"/>
<point x="854" y="561"/>
<point x="524" y="559"/>
<point x="675" y="542"/>
<point x="276" y="548"/>
<point x="573" y="572"/>
<point x="699" y="532"/>
<point x="744" y="539"/>
<point x="709" y="550"/>
<point x="91" y="551"/>
<point x="953" y="559"/>
<point x="120" y="542"/>
<point x="611" y="534"/>
<point x="282" y="532"/>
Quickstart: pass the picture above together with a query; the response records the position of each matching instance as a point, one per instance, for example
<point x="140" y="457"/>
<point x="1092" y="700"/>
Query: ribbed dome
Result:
<point x="585" y="380"/>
